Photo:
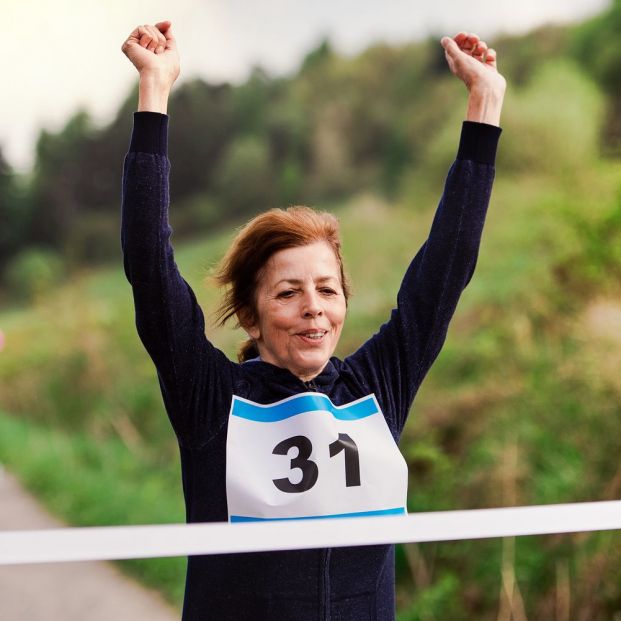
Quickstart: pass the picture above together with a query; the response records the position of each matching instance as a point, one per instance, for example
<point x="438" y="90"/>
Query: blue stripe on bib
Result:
<point x="395" y="511"/>
<point x="300" y="404"/>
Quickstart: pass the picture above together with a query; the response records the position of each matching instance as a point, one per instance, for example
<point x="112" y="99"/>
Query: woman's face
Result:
<point x="301" y="309"/>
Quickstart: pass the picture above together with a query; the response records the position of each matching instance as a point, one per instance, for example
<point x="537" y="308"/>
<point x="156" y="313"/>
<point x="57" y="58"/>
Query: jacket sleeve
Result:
<point x="394" y="361"/>
<point x="195" y="377"/>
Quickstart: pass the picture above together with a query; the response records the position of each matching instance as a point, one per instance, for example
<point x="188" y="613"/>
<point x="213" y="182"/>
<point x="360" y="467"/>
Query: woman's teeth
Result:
<point x="313" y="335"/>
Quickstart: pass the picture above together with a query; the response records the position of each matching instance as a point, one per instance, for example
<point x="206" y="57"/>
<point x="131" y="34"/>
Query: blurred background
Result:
<point x="346" y="106"/>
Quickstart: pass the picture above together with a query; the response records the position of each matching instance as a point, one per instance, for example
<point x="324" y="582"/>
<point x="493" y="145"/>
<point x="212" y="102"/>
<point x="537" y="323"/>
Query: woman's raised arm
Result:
<point x="405" y="347"/>
<point x="169" y="320"/>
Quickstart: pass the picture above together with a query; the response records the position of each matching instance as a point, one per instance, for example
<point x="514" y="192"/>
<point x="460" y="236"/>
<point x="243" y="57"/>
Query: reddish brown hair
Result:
<point x="240" y="268"/>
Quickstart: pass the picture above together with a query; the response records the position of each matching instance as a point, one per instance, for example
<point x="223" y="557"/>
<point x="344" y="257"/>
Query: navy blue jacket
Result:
<point x="198" y="381"/>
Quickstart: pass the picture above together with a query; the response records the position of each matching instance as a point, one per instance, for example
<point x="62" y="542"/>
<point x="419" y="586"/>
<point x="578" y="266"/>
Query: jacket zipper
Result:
<point x="325" y="554"/>
<point x="311" y="386"/>
<point x="325" y="587"/>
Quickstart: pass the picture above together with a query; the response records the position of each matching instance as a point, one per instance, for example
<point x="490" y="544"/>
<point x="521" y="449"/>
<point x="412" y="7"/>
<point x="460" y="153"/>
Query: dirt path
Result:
<point x="66" y="591"/>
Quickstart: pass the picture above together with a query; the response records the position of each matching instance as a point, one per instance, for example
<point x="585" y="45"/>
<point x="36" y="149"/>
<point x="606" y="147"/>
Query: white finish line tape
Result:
<point x="123" y="542"/>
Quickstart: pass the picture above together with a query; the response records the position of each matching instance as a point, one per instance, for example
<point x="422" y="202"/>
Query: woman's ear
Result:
<point x="253" y="332"/>
<point x="249" y="325"/>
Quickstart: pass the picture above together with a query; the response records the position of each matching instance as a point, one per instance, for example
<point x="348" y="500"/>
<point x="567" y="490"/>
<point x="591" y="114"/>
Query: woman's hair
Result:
<point x="240" y="268"/>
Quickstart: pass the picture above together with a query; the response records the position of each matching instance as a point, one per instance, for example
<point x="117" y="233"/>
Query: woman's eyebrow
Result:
<point x="291" y="281"/>
<point x="297" y="281"/>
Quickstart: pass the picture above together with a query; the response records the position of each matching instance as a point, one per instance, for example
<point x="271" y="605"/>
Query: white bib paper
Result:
<point x="304" y="457"/>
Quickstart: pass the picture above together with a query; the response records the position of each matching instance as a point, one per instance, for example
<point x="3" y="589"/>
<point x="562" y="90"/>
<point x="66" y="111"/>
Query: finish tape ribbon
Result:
<point x="124" y="542"/>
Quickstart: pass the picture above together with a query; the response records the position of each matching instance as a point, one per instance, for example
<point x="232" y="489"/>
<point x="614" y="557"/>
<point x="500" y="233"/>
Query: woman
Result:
<point x="263" y="439"/>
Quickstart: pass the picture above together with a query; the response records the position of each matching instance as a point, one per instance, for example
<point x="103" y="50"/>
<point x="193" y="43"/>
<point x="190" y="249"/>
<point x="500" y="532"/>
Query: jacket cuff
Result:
<point x="478" y="142"/>
<point x="150" y="133"/>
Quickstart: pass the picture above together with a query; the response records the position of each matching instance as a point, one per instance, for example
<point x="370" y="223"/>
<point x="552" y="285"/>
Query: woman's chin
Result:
<point x="304" y="363"/>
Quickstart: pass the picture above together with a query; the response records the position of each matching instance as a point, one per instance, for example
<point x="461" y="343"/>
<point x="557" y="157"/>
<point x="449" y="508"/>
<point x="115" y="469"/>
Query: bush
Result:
<point x="245" y="183"/>
<point x="33" y="273"/>
<point x="552" y="131"/>
<point x="93" y="239"/>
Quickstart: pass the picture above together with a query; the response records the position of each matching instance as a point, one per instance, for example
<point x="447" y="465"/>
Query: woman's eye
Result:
<point x="285" y="294"/>
<point x="328" y="291"/>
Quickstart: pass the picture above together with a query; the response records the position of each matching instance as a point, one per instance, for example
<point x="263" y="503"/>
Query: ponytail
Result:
<point x="247" y="351"/>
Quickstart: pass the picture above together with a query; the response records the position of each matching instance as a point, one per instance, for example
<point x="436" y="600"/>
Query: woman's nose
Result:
<point x="311" y="305"/>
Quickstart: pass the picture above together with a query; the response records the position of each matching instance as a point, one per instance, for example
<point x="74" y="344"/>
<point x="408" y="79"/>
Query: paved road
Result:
<point x="66" y="591"/>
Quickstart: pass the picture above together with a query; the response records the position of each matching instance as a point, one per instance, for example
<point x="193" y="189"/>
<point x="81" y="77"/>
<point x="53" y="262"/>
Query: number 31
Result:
<point x="309" y="469"/>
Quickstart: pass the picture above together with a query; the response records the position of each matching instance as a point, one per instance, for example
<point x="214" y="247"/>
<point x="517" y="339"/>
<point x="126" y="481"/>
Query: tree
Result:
<point x="60" y="162"/>
<point x="604" y="64"/>
<point x="14" y="212"/>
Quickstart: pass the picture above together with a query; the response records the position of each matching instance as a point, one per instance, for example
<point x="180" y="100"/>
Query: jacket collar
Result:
<point x="323" y="381"/>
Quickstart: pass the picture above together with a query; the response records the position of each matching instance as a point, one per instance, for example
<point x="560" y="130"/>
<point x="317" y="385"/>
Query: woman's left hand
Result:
<point x="474" y="64"/>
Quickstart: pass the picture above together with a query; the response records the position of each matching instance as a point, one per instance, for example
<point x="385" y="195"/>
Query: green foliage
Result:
<point x="317" y="58"/>
<point x="595" y="262"/>
<point x="522" y="405"/>
<point x="14" y="211"/>
<point x="244" y="183"/>
<point x="596" y="43"/>
<point x="90" y="482"/>
<point x="92" y="239"/>
<point x="251" y="103"/>
<point x="202" y="117"/>
<point x="59" y="164"/>
<point x="520" y="56"/>
<point x="439" y="601"/>
<point x="194" y="214"/>
<point x="558" y="143"/>
<point x="339" y="126"/>
<point x="538" y="142"/>
<point x="83" y="355"/>
<point x="33" y="273"/>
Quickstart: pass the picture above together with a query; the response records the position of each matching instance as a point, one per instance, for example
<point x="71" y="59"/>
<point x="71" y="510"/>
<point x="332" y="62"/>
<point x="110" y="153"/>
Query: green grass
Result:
<point x="90" y="482"/>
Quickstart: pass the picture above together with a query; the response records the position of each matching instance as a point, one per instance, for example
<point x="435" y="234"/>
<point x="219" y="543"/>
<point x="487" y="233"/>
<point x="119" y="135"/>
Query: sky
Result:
<point x="65" y="54"/>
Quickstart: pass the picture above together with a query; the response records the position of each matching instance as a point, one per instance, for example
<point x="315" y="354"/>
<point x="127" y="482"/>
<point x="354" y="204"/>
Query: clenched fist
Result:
<point x="474" y="63"/>
<point x="153" y="51"/>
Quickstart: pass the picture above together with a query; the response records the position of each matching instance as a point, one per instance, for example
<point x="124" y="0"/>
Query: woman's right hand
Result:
<point x="153" y="51"/>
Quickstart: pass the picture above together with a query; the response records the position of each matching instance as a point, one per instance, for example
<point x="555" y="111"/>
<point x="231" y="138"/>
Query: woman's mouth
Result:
<point x="312" y="336"/>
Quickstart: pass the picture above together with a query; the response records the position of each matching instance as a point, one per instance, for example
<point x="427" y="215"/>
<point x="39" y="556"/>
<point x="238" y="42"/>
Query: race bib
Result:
<point x="304" y="457"/>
